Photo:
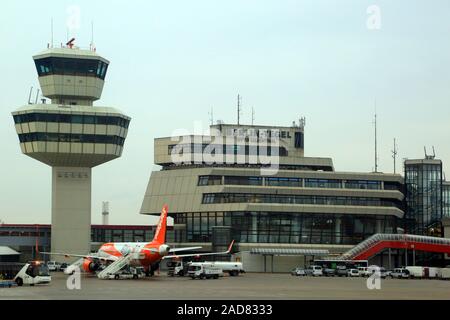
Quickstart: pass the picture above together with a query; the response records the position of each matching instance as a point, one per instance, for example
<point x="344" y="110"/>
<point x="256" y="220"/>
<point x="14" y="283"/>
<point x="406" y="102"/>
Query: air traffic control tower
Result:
<point x="72" y="136"/>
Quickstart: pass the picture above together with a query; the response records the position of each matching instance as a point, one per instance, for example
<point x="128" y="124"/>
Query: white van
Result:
<point x="415" y="272"/>
<point x="315" y="271"/>
<point x="32" y="273"/>
<point x="444" y="273"/>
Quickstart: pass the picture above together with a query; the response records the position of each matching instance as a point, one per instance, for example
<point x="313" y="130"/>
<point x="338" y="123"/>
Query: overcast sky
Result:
<point x="171" y="61"/>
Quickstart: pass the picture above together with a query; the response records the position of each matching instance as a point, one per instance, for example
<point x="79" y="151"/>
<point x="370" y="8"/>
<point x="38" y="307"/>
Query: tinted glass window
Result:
<point x="71" y="66"/>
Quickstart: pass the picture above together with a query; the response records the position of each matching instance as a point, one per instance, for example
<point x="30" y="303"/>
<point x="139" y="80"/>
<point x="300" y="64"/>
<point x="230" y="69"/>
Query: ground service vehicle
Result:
<point x="53" y="266"/>
<point x="177" y="268"/>
<point x="198" y="270"/>
<point x="298" y="272"/>
<point x="127" y="273"/>
<point x="232" y="268"/>
<point x="34" y="272"/>
<point x="315" y="271"/>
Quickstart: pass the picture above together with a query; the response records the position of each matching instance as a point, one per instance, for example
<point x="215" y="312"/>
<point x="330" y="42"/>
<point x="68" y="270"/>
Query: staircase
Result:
<point x="115" y="267"/>
<point x="380" y="241"/>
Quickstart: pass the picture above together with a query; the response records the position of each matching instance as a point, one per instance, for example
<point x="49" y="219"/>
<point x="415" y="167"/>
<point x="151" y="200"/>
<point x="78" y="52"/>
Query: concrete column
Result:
<point x="71" y="210"/>
<point x="337" y="230"/>
<point x="378" y="226"/>
<point x="254" y="229"/>
<point x="390" y="261"/>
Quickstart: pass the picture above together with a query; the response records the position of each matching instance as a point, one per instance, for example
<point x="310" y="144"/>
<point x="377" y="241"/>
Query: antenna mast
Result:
<point x="394" y="154"/>
<point x="239" y="99"/>
<point x="211" y="116"/>
<point x="51" y="28"/>
<point x="92" y="35"/>
<point x="376" y="151"/>
<point x="253" y="115"/>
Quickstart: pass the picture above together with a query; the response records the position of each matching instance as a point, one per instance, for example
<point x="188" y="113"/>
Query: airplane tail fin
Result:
<point x="160" y="233"/>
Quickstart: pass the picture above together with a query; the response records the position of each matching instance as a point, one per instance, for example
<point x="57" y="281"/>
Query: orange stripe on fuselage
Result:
<point x="110" y="249"/>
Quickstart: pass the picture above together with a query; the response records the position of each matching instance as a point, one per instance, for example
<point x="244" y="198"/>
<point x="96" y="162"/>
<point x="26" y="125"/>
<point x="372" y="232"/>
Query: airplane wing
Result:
<point x="184" y="249"/>
<point x="86" y="256"/>
<point x="199" y="254"/>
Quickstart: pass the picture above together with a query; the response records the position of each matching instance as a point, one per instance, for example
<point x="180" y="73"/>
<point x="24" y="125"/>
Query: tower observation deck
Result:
<point x="72" y="136"/>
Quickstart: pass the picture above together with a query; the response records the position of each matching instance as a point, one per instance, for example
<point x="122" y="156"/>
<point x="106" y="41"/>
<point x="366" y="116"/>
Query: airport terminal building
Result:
<point x="254" y="184"/>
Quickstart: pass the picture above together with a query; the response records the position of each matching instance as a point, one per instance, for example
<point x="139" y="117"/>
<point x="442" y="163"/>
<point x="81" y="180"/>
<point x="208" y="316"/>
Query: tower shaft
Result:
<point x="71" y="210"/>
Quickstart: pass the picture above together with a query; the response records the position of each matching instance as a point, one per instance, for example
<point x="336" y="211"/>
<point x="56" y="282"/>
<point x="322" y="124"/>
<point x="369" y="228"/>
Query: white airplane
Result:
<point x="116" y="255"/>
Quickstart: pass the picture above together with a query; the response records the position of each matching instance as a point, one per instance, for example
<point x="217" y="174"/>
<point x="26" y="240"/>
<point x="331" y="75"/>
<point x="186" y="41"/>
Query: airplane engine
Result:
<point x="90" y="266"/>
<point x="164" y="249"/>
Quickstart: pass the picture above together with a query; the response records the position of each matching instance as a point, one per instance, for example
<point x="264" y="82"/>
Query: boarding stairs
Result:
<point x="116" y="266"/>
<point x="380" y="241"/>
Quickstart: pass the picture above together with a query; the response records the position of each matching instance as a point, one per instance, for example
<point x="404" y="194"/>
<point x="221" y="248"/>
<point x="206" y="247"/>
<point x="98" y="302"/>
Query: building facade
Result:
<point x="255" y="182"/>
<point x="446" y="199"/>
<point x="424" y="196"/>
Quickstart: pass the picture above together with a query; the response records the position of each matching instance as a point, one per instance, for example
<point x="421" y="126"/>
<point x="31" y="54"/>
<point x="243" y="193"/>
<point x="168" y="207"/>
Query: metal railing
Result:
<point x="378" y="237"/>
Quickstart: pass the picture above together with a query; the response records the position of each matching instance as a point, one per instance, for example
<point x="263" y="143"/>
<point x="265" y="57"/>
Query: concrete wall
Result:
<point x="71" y="210"/>
<point x="255" y="262"/>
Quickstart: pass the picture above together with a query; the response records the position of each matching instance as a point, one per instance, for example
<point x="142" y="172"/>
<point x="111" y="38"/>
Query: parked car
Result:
<point x="353" y="273"/>
<point x="400" y="273"/>
<point x="383" y="272"/>
<point x="341" y="271"/>
<point x="364" y="271"/>
<point x="298" y="272"/>
<point x="63" y="266"/>
<point x="315" y="271"/>
<point x="329" y="272"/>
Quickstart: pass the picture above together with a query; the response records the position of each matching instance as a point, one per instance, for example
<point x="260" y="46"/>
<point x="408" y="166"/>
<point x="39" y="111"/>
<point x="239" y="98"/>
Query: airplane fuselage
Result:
<point x="144" y="253"/>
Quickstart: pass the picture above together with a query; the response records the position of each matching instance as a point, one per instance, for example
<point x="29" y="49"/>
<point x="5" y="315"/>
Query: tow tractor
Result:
<point x="33" y="272"/>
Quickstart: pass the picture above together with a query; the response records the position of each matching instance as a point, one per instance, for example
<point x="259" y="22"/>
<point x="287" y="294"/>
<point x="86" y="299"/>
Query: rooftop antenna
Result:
<point x="253" y="115"/>
<point x="434" y="153"/>
<point x="302" y="122"/>
<point x="211" y="116"/>
<point x="394" y="154"/>
<point x="376" y="150"/>
<point x="29" y="96"/>
<point x="239" y="99"/>
<point x="92" y="35"/>
<point x="37" y="96"/>
<point x="51" y="29"/>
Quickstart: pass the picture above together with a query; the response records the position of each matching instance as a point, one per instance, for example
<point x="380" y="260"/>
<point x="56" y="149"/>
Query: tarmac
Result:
<point x="249" y="286"/>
